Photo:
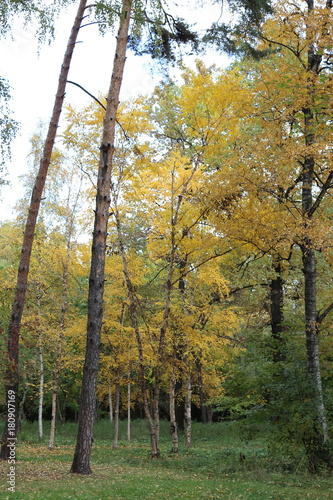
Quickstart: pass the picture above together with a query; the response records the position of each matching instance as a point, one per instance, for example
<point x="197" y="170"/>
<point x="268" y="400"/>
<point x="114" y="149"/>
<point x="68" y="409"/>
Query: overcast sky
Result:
<point x="33" y="79"/>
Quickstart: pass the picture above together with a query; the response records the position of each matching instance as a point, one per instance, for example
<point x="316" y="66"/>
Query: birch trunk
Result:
<point x="12" y="376"/>
<point x="317" y="444"/>
<point x="81" y="460"/>
<point x="41" y="393"/>
<point x="129" y="411"/>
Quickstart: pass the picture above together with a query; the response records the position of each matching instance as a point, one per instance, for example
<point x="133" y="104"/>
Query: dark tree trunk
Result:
<point x="276" y="306"/>
<point x="12" y="374"/>
<point x="173" y="422"/>
<point x="81" y="461"/>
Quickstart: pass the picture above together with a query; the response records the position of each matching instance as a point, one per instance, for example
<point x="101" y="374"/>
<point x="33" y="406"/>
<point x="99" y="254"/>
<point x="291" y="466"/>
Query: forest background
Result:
<point x="218" y="266"/>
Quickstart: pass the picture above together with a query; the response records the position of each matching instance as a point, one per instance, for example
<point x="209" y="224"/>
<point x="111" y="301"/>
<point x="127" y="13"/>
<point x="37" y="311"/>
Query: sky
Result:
<point x="33" y="73"/>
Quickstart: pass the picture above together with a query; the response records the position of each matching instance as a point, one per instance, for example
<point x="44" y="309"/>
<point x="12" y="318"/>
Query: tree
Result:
<point x="23" y="270"/>
<point x="81" y="460"/>
<point x="305" y="121"/>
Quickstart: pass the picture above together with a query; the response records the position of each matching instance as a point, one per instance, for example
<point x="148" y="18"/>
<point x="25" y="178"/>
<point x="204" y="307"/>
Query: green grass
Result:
<point x="211" y="469"/>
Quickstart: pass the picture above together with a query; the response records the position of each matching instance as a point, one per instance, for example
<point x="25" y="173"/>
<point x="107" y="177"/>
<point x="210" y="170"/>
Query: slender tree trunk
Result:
<point x="317" y="444"/>
<point x="201" y="393"/>
<point x="70" y="225"/>
<point x="55" y="385"/>
<point x="116" y="418"/>
<point x="22" y="414"/>
<point x="173" y="421"/>
<point x="133" y="313"/>
<point x="81" y="461"/>
<point x="12" y="373"/>
<point x="41" y="367"/>
<point x="129" y="411"/>
<point x="188" y="412"/>
<point x="61" y="416"/>
<point x="276" y="307"/>
<point x="41" y="392"/>
<point x="110" y="402"/>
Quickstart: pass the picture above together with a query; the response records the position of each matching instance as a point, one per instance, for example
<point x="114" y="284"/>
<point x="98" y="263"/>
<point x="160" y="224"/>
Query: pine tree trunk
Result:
<point x="12" y="375"/>
<point x="116" y="418"/>
<point x="81" y="461"/>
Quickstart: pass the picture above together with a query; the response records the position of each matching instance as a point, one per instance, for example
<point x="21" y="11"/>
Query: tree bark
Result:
<point x="81" y="461"/>
<point x="12" y="372"/>
<point x="317" y="444"/>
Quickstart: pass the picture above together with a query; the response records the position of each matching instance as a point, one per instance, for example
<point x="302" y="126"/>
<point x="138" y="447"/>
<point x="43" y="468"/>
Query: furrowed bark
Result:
<point x="12" y="367"/>
<point x="81" y="461"/>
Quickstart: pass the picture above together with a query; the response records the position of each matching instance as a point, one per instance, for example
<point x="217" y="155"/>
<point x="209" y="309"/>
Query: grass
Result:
<point x="211" y="469"/>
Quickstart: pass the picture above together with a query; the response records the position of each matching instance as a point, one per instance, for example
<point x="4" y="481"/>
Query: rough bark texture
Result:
<point x="81" y="461"/>
<point x="12" y="375"/>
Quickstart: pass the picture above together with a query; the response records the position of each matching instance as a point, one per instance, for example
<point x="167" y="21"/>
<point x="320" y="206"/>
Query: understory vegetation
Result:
<point x="222" y="464"/>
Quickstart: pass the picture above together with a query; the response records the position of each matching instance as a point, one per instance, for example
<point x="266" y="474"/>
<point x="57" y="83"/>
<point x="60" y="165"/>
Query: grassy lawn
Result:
<point x="211" y="469"/>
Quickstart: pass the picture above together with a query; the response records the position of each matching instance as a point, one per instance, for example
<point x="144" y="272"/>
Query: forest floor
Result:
<point x="219" y="465"/>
